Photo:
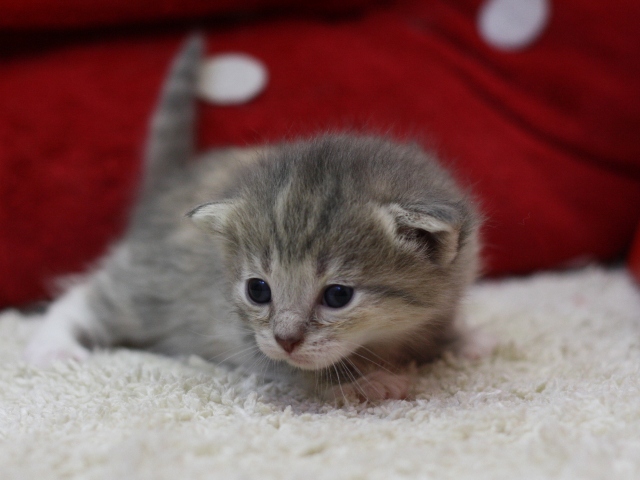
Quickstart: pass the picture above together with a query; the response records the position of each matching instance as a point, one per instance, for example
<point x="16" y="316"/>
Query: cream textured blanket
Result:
<point x="560" y="398"/>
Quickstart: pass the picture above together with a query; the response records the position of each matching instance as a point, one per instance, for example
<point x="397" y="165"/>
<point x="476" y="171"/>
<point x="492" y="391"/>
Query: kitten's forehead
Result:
<point x="303" y="220"/>
<point x="316" y="266"/>
<point x="322" y="199"/>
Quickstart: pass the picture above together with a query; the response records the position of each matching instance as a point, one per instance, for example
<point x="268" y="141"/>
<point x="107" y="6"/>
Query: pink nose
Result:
<point x="290" y="342"/>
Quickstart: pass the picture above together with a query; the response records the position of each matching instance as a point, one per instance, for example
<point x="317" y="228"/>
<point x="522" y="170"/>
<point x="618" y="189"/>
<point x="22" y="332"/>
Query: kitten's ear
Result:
<point x="211" y="217"/>
<point x="433" y="231"/>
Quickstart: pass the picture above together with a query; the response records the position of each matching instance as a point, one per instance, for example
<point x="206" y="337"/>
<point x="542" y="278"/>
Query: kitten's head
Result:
<point x="340" y="243"/>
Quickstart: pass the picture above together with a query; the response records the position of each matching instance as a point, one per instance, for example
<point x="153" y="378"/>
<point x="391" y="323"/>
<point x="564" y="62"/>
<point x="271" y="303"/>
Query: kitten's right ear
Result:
<point x="211" y="217"/>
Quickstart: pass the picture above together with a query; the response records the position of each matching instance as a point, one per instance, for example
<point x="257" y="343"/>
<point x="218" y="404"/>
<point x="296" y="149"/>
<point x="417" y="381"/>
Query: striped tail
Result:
<point x="172" y="132"/>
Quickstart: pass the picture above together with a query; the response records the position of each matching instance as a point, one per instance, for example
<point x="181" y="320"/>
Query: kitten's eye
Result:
<point x="258" y="290"/>
<point x="337" y="296"/>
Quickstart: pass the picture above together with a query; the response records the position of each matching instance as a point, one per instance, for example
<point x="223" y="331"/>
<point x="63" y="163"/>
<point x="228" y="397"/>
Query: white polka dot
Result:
<point x="513" y="24"/>
<point x="231" y="78"/>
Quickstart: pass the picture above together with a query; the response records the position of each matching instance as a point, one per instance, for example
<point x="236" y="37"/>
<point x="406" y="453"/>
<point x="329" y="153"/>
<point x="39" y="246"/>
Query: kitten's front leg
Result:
<point x="66" y="321"/>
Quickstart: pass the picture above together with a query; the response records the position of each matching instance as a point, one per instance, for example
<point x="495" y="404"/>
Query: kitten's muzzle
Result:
<point x="289" y="342"/>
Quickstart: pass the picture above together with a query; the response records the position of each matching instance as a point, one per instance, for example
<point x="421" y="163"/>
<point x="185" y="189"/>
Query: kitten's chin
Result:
<point x="302" y="364"/>
<point x="304" y="360"/>
<point x="316" y="364"/>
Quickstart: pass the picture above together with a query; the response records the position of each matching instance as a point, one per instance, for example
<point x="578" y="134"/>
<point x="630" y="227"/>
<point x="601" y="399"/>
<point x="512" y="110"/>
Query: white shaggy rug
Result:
<point x="560" y="398"/>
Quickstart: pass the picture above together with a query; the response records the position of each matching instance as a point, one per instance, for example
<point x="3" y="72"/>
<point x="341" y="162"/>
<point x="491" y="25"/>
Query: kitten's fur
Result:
<point x="363" y="212"/>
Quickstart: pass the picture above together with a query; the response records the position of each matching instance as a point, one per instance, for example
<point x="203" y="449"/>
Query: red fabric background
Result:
<point x="547" y="137"/>
<point x="63" y="14"/>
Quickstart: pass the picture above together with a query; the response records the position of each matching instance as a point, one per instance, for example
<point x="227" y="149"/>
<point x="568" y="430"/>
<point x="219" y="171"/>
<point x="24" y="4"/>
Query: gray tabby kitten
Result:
<point x="339" y="258"/>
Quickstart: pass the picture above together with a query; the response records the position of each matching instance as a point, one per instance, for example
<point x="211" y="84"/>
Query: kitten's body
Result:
<point x="381" y="219"/>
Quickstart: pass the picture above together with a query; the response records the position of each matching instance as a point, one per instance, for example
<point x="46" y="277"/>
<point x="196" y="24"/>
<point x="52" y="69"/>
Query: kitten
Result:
<point x="342" y="257"/>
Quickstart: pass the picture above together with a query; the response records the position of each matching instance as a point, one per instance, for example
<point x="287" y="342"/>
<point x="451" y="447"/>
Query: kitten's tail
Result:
<point x="172" y="131"/>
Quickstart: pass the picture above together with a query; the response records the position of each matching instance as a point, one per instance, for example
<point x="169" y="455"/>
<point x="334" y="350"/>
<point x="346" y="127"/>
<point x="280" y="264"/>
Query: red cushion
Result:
<point x="61" y="14"/>
<point x="547" y="137"/>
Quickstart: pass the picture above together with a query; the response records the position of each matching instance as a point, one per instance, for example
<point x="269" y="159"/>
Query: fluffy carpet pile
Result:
<point x="560" y="398"/>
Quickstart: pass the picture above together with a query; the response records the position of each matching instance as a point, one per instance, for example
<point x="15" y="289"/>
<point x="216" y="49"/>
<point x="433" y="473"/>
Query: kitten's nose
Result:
<point x="290" y="342"/>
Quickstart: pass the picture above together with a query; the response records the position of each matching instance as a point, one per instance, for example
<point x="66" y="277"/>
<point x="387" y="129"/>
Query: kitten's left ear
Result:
<point x="211" y="217"/>
<point x="433" y="231"/>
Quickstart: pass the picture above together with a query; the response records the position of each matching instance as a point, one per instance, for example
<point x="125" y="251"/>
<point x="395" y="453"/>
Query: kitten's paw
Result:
<point x="375" y="386"/>
<point x="42" y="352"/>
